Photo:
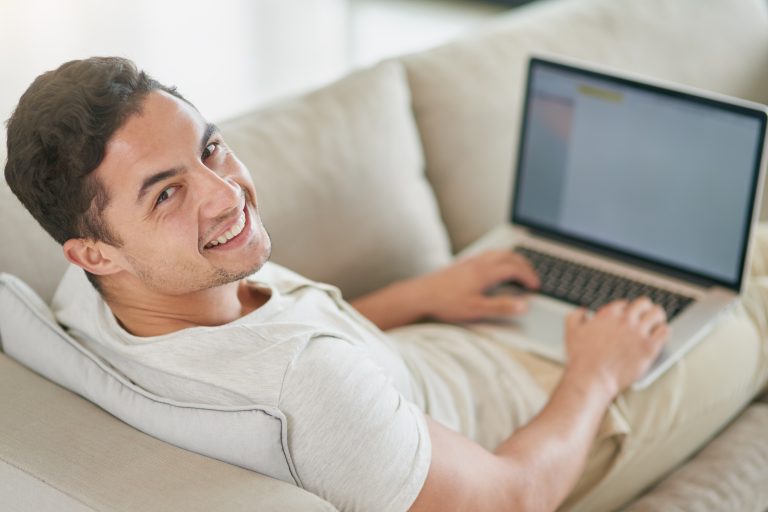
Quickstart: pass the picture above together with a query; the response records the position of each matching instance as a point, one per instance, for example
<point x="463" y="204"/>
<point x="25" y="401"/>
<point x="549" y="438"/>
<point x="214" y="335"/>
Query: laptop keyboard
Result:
<point x="586" y="286"/>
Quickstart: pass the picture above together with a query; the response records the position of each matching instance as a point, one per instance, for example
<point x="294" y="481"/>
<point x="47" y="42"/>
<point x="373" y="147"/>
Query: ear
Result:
<point x="91" y="256"/>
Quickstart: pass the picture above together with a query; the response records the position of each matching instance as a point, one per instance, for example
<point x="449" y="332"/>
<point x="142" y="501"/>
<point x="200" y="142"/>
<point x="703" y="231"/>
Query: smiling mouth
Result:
<point x="234" y="230"/>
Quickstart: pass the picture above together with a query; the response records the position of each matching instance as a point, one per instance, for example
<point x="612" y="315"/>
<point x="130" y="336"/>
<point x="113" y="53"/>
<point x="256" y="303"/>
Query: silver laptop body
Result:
<point x="654" y="182"/>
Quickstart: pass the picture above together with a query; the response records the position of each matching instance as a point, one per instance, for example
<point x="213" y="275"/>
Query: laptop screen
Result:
<point x="660" y="176"/>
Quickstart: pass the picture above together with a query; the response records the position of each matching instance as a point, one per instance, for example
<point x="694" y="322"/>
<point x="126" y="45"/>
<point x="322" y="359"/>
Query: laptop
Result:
<point x="628" y="187"/>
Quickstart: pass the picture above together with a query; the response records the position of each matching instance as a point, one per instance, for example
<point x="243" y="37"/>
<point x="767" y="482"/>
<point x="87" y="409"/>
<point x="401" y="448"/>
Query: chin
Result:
<point x="262" y="243"/>
<point x="261" y="250"/>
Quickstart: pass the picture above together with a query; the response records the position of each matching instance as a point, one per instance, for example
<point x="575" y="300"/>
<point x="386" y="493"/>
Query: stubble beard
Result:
<point x="183" y="279"/>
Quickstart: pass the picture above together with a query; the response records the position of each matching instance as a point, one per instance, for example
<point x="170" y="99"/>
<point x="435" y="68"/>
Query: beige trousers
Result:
<point x="647" y="433"/>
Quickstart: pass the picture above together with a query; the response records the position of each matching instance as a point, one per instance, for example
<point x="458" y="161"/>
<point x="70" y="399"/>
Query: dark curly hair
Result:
<point x="57" y="136"/>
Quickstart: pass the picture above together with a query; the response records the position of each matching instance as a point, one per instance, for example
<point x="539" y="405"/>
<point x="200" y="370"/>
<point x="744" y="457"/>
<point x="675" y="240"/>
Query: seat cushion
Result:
<point x="340" y="180"/>
<point x="60" y="452"/>
<point x="731" y="473"/>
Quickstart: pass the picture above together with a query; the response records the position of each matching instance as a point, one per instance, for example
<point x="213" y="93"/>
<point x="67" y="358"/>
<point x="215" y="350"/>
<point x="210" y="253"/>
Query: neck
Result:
<point x="144" y="312"/>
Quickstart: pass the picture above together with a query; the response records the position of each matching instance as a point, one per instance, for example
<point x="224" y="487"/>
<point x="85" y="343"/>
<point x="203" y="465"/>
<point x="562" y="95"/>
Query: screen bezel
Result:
<point x="758" y="112"/>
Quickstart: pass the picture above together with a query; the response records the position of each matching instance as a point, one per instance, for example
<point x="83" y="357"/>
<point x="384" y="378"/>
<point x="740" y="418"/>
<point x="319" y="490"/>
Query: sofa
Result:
<point x="387" y="173"/>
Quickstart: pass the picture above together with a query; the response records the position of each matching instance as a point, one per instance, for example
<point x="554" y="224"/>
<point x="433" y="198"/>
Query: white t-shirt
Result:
<point x="354" y="397"/>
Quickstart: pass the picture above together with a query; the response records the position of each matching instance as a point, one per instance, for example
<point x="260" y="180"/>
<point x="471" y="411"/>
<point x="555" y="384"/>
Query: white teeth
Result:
<point x="230" y="234"/>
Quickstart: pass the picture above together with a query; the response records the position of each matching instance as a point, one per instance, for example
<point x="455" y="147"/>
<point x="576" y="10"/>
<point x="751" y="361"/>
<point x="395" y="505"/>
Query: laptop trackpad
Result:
<point x="541" y="330"/>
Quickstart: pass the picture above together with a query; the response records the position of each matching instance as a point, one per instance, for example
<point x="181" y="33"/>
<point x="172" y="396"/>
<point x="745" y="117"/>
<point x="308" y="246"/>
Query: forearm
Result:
<point x="455" y="293"/>
<point x="550" y="453"/>
<point x="398" y="304"/>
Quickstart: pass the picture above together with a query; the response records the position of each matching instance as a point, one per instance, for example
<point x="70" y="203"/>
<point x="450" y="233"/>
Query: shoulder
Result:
<point x="355" y="440"/>
<point x="330" y="370"/>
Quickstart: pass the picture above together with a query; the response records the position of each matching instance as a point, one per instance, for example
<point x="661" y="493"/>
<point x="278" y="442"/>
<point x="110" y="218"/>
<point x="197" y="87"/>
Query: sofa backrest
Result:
<point x="339" y="174"/>
<point x="467" y="94"/>
<point x="26" y="250"/>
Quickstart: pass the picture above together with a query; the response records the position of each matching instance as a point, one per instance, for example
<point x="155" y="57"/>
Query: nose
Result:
<point x="216" y="195"/>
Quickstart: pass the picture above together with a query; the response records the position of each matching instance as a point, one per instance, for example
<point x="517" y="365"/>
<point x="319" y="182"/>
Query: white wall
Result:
<point x="224" y="55"/>
<point x="381" y="28"/>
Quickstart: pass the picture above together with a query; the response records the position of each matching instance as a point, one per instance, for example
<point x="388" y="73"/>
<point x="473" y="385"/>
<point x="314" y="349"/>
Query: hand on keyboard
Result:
<point x="618" y="343"/>
<point x="593" y="288"/>
<point x="457" y="293"/>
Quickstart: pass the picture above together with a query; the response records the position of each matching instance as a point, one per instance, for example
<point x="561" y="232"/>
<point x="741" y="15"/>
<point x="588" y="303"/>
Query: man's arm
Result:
<point x="536" y="468"/>
<point x="453" y="294"/>
<point x="532" y="471"/>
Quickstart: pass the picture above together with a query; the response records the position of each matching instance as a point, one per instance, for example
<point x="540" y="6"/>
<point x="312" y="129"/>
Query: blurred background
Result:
<point x="230" y="55"/>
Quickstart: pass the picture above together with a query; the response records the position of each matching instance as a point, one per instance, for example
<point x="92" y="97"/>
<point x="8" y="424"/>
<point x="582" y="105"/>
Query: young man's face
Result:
<point x="180" y="201"/>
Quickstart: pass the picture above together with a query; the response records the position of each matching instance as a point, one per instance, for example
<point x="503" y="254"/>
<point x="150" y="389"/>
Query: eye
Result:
<point x="209" y="150"/>
<point x="166" y="195"/>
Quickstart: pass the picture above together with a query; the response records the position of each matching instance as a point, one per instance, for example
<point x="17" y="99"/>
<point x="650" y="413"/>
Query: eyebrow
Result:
<point x="157" y="177"/>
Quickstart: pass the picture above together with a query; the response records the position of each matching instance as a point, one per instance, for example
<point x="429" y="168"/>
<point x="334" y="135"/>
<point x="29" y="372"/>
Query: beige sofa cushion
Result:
<point x="340" y="182"/>
<point x="27" y="251"/>
<point x="467" y="94"/>
<point x="731" y="473"/>
<point x="59" y="452"/>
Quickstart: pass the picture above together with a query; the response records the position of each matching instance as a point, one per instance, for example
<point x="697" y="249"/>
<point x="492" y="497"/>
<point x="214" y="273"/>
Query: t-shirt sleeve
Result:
<point x="354" y="439"/>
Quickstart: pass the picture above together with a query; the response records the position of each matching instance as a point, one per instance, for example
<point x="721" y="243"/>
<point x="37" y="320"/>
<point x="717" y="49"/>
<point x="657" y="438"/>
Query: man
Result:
<point x="145" y="196"/>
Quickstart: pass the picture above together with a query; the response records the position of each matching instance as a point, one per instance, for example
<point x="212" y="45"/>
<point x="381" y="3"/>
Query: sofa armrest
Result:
<point x="58" y="449"/>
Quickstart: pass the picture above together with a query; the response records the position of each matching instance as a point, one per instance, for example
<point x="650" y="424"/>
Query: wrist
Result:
<point x="418" y="291"/>
<point x="411" y="298"/>
<point x="591" y="381"/>
<point x="395" y="305"/>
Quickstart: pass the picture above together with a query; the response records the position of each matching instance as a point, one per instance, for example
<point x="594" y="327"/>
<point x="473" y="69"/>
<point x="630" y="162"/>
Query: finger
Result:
<point x="659" y="336"/>
<point x="637" y="308"/>
<point x="660" y="332"/>
<point x="651" y="318"/>
<point x="576" y="318"/>
<point x="496" y="256"/>
<point x="616" y="307"/>
<point x="514" y="269"/>
<point x="523" y="262"/>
